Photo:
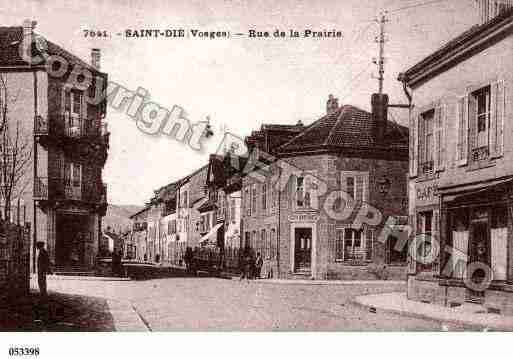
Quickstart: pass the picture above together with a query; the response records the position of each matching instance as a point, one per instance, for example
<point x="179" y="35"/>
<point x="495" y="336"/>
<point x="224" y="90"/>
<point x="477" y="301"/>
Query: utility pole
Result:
<point x="381" y="39"/>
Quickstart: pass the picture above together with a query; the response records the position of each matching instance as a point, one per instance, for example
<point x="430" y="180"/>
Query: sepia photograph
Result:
<point x="255" y="166"/>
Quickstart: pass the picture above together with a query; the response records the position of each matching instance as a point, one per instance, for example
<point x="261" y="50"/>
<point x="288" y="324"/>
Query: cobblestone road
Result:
<point x="217" y="304"/>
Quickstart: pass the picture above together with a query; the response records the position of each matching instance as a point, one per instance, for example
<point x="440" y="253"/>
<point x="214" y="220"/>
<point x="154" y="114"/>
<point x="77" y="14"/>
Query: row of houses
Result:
<point x="273" y="197"/>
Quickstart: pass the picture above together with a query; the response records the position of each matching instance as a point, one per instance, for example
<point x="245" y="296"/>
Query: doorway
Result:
<point x="302" y="249"/>
<point x="478" y="252"/>
<point x="72" y="233"/>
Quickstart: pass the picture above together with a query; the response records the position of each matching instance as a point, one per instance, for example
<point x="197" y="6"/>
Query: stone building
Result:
<point x="55" y="97"/>
<point x="461" y="172"/>
<point x="292" y="212"/>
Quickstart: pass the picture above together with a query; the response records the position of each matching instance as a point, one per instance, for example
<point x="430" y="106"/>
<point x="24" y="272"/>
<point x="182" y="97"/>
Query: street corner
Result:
<point x="468" y="316"/>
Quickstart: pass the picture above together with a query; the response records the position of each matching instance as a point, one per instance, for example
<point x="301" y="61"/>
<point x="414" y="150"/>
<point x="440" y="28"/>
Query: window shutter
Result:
<point x="472" y="122"/>
<point x="462" y="155"/>
<point x="440" y="115"/>
<point x="414" y="142"/>
<point x="436" y="236"/>
<point x="497" y="119"/>
<point x="369" y="242"/>
<point x="359" y="191"/>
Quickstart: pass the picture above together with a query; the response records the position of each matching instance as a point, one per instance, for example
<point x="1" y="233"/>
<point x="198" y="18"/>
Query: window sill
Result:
<point x="478" y="165"/>
<point x="426" y="177"/>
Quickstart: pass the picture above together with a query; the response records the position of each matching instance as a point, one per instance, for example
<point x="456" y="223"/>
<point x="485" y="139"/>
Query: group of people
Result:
<point x="251" y="266"/>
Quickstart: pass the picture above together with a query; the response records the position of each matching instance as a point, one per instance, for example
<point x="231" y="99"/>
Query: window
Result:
<point x="425" y="228"/>
<point x="254" y="199"/>
<point x="232" y="210"/>
<point x="73" y="102"/>
<point x="352" y="245"/>
<point x="351" y="189"/>
<point x="481" y="100"/>
<point x="427" y="141"/>
<point x="300" y="191"/>
<point x="273" y="244"/>
<point x="264" y="197"/>
<point x="72" y="174"/>
<point x="356" y="185"/>
<point x="171" y="226"/>
<point x="304" y="190"/>
<point x="247" y="201"/>
<point x="185" y="199"/>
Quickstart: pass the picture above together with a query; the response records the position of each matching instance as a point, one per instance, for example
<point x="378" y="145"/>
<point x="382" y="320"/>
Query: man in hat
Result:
<point x="43" y="267"/>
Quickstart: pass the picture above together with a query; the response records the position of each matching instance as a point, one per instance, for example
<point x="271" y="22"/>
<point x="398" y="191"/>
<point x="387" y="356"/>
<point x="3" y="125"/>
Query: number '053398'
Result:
<point x="23" y="351"/>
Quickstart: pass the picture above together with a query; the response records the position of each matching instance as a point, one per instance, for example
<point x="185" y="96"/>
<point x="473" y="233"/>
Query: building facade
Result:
<point x="64" y="195"/>
<point x="460" y="170"/>
<point x="292" y="209"/>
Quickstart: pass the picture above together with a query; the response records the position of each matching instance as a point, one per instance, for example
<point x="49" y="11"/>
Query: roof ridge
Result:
<point x="344" y="107"/>
<point x="302" y="133"/>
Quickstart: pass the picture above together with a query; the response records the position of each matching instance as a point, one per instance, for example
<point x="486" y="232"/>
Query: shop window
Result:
<point x="499" y="243"/>
<point x="425" y="228"/>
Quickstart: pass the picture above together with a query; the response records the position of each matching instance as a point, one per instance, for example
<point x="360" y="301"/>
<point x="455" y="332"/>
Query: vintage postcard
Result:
<point x="242" y="166"/>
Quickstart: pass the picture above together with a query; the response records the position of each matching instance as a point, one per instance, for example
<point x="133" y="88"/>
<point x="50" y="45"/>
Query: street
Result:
<point x="188" y="304"/>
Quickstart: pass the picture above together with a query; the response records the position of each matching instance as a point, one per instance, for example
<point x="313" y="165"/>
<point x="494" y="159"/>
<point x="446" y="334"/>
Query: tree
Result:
<point x="15" y="154"/>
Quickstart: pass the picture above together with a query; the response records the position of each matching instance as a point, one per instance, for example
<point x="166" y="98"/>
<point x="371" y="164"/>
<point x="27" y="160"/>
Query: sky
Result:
<point x="239" y="82"/>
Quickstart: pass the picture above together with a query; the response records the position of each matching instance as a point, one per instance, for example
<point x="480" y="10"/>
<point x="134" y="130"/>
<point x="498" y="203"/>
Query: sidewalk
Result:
<point x="467" y="314"/>
<point x="329" y="282"/>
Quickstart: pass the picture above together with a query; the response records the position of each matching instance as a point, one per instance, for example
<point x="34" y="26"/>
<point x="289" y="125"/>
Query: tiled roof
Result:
<point x="348" y="127"/>
<point x="10" y="39"/>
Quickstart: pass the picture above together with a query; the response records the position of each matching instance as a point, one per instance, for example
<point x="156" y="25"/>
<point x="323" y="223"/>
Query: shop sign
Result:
<point x="304" y="217"/>
<point x="426" y="193"/>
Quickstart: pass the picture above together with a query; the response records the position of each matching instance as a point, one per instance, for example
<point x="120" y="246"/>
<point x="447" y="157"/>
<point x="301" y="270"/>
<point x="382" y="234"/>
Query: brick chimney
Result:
<point x="28" y="38"/>
<point x="95" y="58"/>
<point x="331" y="104"/>
<point x="379" y="105"/>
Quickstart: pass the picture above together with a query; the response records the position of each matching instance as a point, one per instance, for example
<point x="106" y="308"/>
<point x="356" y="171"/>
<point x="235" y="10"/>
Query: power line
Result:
<point x="426" y="3"/>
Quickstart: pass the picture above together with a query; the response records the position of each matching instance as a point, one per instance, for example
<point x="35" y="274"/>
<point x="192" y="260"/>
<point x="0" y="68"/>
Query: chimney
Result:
<point x="379" y="105"/>
<point x="331" y="105"/>
<point x="95" y="58"/>
<point x="28" y="38"/>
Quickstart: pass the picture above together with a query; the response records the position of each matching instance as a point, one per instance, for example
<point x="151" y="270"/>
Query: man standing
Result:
<point x="43" y="267"/>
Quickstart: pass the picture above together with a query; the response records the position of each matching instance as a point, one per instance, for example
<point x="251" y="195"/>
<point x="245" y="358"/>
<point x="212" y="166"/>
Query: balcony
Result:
<point x="70" y="127"/>
<point x="60" y="189"/>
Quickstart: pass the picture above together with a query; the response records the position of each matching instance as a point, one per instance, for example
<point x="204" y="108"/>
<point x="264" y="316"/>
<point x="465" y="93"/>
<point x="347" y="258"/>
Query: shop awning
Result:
<point x="450" y="193"/>
<point x="211" y="233"/>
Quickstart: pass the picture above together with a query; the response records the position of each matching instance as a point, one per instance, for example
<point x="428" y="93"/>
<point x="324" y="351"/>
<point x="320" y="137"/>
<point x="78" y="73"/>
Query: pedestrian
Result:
<point x="246" y="265"/>
<point x="188" y="259"/>
<point x="252" y="264"/>
<point x="259" y="263"/>
<point x="43" y="268"/>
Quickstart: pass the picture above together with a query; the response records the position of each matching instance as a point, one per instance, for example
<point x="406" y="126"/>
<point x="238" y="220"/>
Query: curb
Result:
<point x="126" y="318"/>
<point x="471" y="325"/>
<point x="341" y="283"/>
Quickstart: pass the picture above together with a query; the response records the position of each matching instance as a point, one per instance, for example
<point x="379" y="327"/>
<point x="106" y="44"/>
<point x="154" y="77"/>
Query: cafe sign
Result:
<point x="426" y="193"/>
<point x="304" y="217"/>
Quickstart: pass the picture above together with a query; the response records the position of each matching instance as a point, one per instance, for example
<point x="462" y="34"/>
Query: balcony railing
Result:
<point x="480" y="153"/>
<point x="59" y="188"/>
<point x="427" y="167"/>
<point x="69" y="126"/>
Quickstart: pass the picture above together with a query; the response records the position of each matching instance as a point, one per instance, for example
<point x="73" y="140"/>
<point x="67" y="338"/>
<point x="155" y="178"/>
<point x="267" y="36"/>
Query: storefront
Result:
<point x="476" y="226"/>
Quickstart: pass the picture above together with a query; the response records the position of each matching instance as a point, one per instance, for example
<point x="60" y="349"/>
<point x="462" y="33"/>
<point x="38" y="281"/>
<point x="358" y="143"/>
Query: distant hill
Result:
<point x="117" y="216"/>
